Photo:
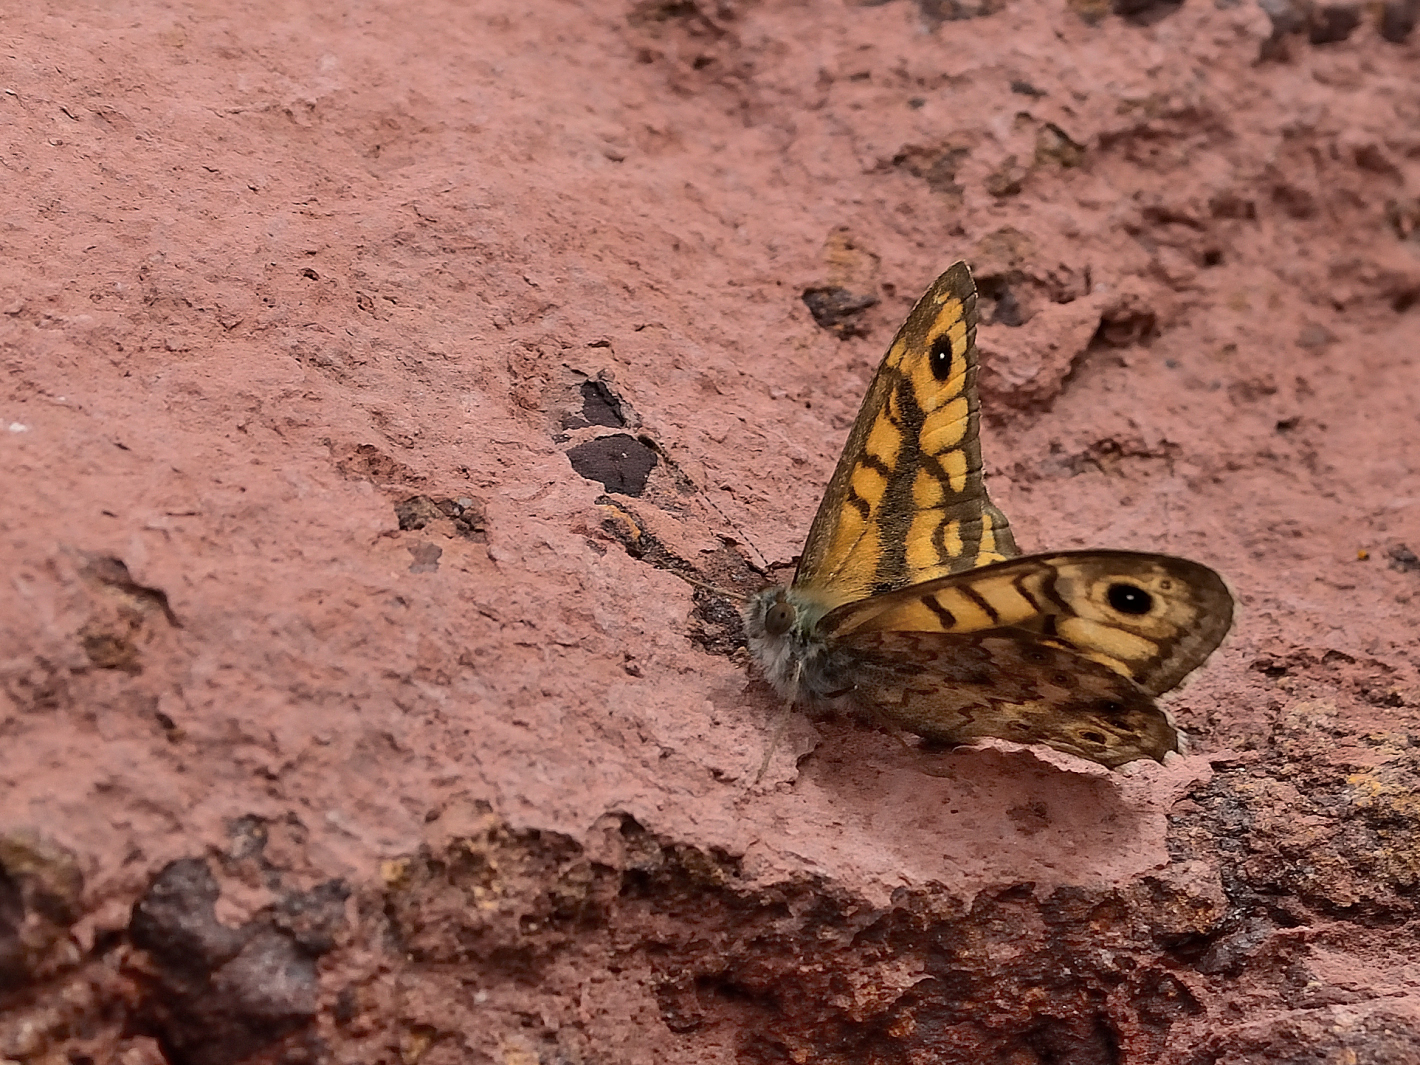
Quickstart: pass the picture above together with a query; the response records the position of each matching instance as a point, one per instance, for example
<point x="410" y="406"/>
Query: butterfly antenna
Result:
<point x="739" y="597"/>
<point x="763" y="565"/>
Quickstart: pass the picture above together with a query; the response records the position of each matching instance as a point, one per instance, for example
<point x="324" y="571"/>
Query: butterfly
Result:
<point x="912" y="606"/>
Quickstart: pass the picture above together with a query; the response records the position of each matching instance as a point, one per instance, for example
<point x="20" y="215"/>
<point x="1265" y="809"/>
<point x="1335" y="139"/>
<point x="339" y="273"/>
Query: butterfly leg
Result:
<point x="781" y="722"/>
<point x="920" y="751"/>
<point x="925" y="763"/>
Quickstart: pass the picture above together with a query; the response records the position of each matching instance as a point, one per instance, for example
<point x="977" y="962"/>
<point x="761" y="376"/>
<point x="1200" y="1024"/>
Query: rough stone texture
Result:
<point x="371" y="371"/>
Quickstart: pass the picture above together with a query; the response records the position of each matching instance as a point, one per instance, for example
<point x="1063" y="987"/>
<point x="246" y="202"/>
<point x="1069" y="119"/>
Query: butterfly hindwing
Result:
<point x="1151" y="618"/>
<point x="960" y="688"/>
<point x="907" y="501"/>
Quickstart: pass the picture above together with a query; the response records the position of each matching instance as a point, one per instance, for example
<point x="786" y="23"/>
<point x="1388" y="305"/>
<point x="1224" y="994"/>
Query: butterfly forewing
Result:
<point x="1151" y="618"/>
<point x="907" y="501"/>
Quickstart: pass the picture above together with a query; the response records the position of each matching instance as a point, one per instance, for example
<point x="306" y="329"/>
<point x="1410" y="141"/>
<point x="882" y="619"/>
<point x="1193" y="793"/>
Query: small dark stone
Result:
<point x="620" y="463"/>
<point x="1146" y="12"/>
<point x="838" y="310"/>
<point x="1229" y="954"/>
<point x="1402" y="559"/>
<point x="601" y="406"/>
<point x="214" y="995"/>
<point x="176" y="920"/>
<point x="1333" y="23"/>
<point x="1398" y="18"/>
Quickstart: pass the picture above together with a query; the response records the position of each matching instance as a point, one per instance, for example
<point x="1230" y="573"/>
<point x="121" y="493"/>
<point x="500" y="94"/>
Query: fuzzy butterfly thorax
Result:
<point x="913" y="608"/>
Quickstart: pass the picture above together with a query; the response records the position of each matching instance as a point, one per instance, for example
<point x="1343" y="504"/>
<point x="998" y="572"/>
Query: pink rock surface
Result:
<point x="272" y="271"/>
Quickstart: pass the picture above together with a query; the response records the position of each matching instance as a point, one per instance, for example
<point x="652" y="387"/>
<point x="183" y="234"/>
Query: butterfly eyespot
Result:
<point x="778" y="619"/>
<point x="1094" y="737"/>
<point x="1129" y="599"/>
<point x="940" y="360"/>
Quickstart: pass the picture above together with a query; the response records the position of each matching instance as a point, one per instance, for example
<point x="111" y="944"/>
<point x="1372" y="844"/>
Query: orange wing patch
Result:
<point x="907" y="501"/>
